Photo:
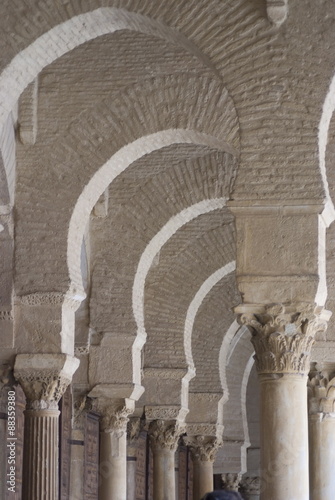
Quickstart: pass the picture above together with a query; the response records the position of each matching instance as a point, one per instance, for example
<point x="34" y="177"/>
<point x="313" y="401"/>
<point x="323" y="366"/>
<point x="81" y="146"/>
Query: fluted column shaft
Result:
<point x="44" y="379"/>
<point x="40" y="475"/>
<point x="283" y="336"/>
<point x="321" y="388"/>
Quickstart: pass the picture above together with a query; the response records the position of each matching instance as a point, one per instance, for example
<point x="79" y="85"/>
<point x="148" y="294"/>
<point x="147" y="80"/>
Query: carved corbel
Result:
<point x="44" y="378"/>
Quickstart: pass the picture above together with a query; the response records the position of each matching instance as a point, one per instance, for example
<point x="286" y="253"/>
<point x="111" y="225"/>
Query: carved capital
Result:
<point x="231" y="481"/>
<point x="165" y="434"/>
<point x="251" y="485"/>
<point x="321" y="393"/>
<point x="6" y="376"/>
<point x="114" y="414"/>
<point x="81" y="405"/>
<point x="203" y="448"/>
<point x="44" y="378"/>
<point x="134" y="428"/>
<point x="283" y="335"/>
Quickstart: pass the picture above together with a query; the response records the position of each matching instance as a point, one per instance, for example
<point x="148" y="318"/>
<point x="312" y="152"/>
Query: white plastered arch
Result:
<point x="117" y="164"/>
<point x="192" y="311"/>
<point x="236" y="337"/>
<point x="146" y="261"/>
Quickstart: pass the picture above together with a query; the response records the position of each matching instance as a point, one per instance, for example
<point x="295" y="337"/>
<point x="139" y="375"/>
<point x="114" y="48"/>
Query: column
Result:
<point x="231" y="481"/>
<point x="321" y="389"/>
<point x="44" y="379"/>
<point x="203" y="450"/>
<point x="78" y="447"/>
<point x="282" y="336"/>
<point x="164" y="436"/>
<point x="113" y="447"/>
<point x="134" y="428"/>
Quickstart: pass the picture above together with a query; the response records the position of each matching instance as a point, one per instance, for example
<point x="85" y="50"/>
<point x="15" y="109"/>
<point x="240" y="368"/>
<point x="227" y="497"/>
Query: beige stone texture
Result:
<point x="162" y="162"/>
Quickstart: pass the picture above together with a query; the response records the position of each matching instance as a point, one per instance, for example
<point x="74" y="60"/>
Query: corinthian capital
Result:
<point x="165" y="434"/>
<point x="203" y="448"/>
<point x="283" y="334"/>
<point x="321" y="392"/>
<point x="44" y="378"/>
<point x="231" y="481"/>
<point x="114" y="414"/>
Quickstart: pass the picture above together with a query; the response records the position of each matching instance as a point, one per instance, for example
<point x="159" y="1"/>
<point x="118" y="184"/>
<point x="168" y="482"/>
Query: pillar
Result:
<point x="134" y="428"/>
<point x="321" y="389"/>
<point x="44" y="379"/>
<point x="113" y="447"/>
<point x="78" y="448"/>
<point x="164" y="436"/>
<point x="282" y="336"/>
<point x="203" y="450"/>
<point x="231" y="481"/>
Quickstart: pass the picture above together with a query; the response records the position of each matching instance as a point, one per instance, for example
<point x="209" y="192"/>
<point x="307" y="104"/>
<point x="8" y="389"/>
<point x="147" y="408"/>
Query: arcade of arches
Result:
<point x="167" y="249"/>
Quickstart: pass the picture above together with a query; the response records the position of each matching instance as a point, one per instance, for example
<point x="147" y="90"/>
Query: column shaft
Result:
<point x="77" y="466"/>
<point x="40" y="455"/>
<point x="113" y="466"/>
<point x="164" y="474"/>
<point x="131" y="478"/>
<point x="202" y="478"/>
<point x="284" y="437"/>
<point x="322" y="457"/>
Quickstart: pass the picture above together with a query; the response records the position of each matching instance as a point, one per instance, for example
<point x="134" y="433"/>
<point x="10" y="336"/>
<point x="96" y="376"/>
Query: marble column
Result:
<point x="203" y="450"/>
<point x="113" y="447"/>
<point x="134" y="428"/>
<point x="321" y="391"/>
<point x="282" y="336"/>
<point x="44" y="379"/>
<point x="231" y="481"/>
<point x="164" y="436"/>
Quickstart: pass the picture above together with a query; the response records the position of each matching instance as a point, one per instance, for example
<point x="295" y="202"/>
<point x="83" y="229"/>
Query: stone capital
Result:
<point x="283" y="334"/>
<point x="203" y="448"/>
<point x="114" y="414"/>
<point x="44" y="378"/>
<point x="231" y="481"/>
<point x="251" y="485"/>
<point x="134" y="428"/>
<point x="81" y="405"/>
<point x="321" y="392"/>
<point x="165" y="434"/>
